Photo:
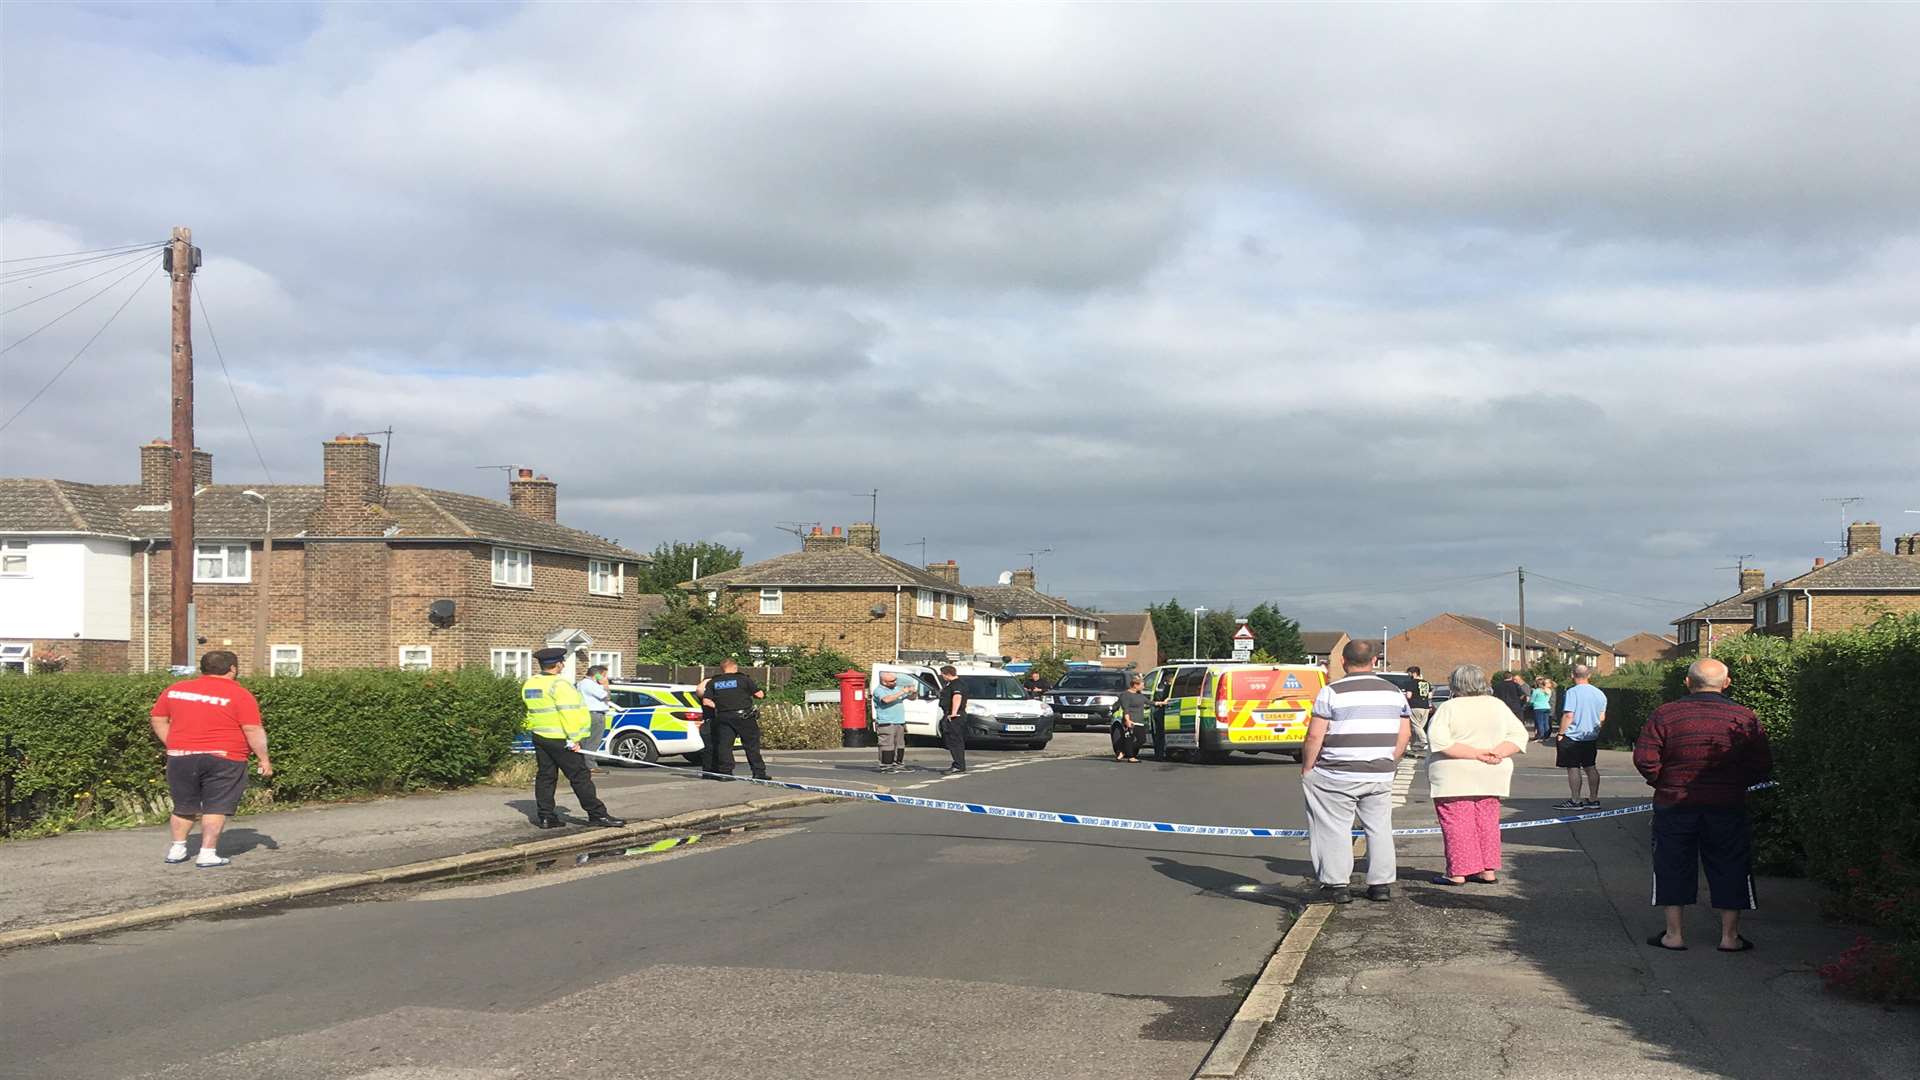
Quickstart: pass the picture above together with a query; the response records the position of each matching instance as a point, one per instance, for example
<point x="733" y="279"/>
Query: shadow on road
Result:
<point x="240" y="841"/>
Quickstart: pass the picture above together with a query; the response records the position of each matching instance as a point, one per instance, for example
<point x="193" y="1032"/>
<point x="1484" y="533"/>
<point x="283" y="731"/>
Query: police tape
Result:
<point x="1056" y="817"/>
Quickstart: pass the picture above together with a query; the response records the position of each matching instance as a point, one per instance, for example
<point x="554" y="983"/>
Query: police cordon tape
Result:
<point x="1134" y="824"/>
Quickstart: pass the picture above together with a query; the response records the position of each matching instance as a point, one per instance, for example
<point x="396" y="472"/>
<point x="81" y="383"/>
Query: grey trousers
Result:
<point x="1332" y="805"/>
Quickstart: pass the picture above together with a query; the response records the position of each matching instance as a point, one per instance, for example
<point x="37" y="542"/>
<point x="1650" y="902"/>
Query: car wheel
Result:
<point x="635" y="746"/>
<point x="1213" y="757"/>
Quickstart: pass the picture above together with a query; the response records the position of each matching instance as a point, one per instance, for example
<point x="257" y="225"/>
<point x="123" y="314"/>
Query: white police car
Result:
<point x="646" y="721"/>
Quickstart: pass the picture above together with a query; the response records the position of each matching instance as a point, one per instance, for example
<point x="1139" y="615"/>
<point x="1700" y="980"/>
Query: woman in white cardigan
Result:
<point x="1472" y="735"/>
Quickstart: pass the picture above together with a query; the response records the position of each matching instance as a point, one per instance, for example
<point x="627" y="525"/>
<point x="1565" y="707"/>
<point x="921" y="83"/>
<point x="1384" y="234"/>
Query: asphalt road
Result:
<point x="855" y="940"/>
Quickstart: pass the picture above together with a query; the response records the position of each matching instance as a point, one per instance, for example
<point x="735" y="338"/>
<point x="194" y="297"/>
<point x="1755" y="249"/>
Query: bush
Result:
<point x="788" y="726"/>
<point x="84" y="740"/>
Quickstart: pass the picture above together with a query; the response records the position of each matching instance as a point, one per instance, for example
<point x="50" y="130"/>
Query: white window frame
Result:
<point x="15" y="558"/>
<point x="773" y="602"/>
<point x="960" y="612"/>
<point x="606" y="578"/>
<point x="1073" y="628"/>
<point x="426" y="665"/>
<point x="923" y="603"/>
<point x="224" y="552"/>
<point x="1112" y="651"/>
<point x="294" y="655"/>
<point x="513" y="567"/>
<point x="607" y="657"/>
<point x="946" y="607"/>
<point x="17" y="654"/>
<point x="522" y="660"/>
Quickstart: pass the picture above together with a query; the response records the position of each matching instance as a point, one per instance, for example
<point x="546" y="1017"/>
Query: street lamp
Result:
<point x="261" y="582"/>
<point x="1383" y="648"/>
<point x="1197" y="612"/>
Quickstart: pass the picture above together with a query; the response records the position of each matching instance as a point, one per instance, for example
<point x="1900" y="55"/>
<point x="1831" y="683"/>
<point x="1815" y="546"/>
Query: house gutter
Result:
<point x="896" y="624"/>
<point x="1808" y="593"/>
<point x="146" y="608"/>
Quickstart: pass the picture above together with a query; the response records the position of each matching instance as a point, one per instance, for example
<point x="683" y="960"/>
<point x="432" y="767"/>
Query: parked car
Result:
<point x="999" y="713"/>
<point x="1204" y="710"/>
<point x="1085" y="698"/>
<point x="645" y="721"/>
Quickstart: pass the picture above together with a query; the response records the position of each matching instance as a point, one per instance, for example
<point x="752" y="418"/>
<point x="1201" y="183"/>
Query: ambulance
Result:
<point x="1203" y="710"/>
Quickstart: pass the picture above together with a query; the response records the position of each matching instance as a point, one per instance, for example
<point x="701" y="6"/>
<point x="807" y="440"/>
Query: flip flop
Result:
<point x="1745" y="945"/>
<point x="1442" y="879"/>
<point x="1657" y="942"/>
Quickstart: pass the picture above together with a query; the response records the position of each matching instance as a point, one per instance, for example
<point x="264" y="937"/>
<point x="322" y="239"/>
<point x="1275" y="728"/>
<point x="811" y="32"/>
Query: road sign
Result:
<point x="1243" y="652"/>
<point x="1244" y="633"/>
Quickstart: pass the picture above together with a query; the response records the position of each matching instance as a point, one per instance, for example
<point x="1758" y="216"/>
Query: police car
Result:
<point x="646" y="721"/>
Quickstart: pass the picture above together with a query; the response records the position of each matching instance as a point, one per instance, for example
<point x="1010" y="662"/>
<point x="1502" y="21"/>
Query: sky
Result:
<point x="1352" y="309"/>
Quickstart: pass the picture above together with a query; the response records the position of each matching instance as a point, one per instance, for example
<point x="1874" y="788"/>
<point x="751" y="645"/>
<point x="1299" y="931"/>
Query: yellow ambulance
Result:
<point x="1203" y="710"/>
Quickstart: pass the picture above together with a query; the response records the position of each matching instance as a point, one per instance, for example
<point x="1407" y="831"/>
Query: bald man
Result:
<point x="1701" y="754"/>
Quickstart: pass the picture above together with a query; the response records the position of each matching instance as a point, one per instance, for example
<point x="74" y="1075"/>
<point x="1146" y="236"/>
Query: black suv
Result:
<point x="1085" y="698"/>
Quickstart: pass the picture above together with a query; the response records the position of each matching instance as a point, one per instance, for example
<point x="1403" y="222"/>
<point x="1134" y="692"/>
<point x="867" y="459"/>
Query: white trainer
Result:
<point x="205" y="860"/>
<point x="177" y="853"/>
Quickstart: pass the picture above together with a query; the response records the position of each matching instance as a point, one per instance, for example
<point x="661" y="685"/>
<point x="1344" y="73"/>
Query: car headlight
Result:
<point x="1107" y="699"/>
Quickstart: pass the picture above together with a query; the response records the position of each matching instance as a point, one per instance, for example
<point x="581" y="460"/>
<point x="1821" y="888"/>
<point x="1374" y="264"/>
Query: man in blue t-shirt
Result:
<point x="890" y="721"/>
<point x="1582" y="710"/>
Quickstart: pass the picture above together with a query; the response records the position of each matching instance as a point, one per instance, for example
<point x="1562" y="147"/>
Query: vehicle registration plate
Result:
<point x="1075" y="716"/>
<point x="1021" y="727"/>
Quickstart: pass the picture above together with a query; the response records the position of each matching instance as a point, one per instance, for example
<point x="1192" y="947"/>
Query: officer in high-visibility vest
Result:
<point x="557" y="719"/>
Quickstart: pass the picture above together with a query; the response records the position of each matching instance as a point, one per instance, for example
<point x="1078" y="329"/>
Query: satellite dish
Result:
<point x="1006" y="577"/>
<point x="440" y="613"/>
<point x="877" y="610"/>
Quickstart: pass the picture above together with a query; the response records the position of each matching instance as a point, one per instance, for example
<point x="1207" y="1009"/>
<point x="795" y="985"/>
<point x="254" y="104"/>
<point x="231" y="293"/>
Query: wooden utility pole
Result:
<point x="181" y="260"/>
<point x="1523" y="618"/>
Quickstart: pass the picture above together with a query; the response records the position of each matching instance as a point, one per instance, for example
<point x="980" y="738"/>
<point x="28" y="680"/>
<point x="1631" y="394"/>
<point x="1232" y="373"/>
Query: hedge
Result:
<point x="83" y="741"/>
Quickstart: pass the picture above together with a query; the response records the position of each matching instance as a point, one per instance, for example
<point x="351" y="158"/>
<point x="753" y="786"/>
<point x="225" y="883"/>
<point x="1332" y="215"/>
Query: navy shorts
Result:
<point x="1576" y="754"/>
<point x="1687" y="839"/>
<point x="205" y="784"/>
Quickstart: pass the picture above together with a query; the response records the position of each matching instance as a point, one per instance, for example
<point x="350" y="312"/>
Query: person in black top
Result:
<point x="1035" y="685"/>
<point x="1130" y="721"/>
<point x="731" y="696"/>
<point x="953" y="718"/>
<point x="1512" y="691"/>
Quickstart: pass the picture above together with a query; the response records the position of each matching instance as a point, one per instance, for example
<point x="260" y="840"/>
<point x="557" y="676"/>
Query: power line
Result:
<point x="200" y="295"/>
<point x="90" y="251"/>
<point x="1649" y="600"/>
<point x="76" y="307"/>
<point x="28" y="273"/>
<point x="137" y="257"/>
<point x="83" y="350"/>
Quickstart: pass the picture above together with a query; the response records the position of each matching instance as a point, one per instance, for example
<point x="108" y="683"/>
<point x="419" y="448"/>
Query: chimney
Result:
<point x="1751" y="579"/>
<point x="1863" y="536"/>
<point x="862" y="534"/>
<point x="1819" y="561"/>
<point x="535" y="496"/>
<point x="819" y="541"/>
<point x="949" y="570"/>
<point x="156" y="471"/>
<point x="1024" y="577"/>
<point x="350" y="494"/>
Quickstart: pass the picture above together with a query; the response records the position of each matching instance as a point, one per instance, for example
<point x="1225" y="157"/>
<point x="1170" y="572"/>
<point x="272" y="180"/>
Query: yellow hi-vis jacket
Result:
<point x="555" y="709"/>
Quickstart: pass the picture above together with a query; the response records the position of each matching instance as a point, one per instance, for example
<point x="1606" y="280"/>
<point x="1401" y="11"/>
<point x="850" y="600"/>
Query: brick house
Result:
<point x="1323" y="647"/>
<point x="1448" y="640"/>
<point x="1644" y="646"/>
<point x="1128" y="641"/>
<point x="1034" y="624"/>
<point x="1853" y="590"/>
<point x="1604" y="661"/>
<point x="1697" y="632"/>
<point x="356" y="571"/>
<point x="841" y="592"/>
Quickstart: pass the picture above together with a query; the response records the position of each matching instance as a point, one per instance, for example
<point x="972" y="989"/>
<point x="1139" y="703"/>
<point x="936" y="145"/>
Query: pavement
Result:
<point x="852" y="939"/>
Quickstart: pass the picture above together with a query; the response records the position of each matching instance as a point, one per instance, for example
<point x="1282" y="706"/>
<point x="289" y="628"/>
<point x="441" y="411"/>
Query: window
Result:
<point x="215" y="563"/>
<point x="13" y="557"/>
<point x="1092" y="630"/>
<point x="611" y="660"/>
<point x="1073" y="628"/>
<point x="1111" y="651"/>
<point x="16" y="658"/>
<point x="416" y="658"/>
<point x="713" y="600"/>
<point x="960" y="609"/>
<point x="771" y="602"/>
<point x="512" y="663"/>
<point x="946" y="606"/>
<point x="287" y="660"/>
<point x="923" y="603"/>
<point x="606" y="578"/>
<point x="513" y="567"/>
<point x="1759" y="615"/>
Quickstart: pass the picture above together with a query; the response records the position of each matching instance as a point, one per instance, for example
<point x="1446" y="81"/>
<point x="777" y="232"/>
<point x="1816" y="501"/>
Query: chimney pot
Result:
<point x="836" y="530"/>
<point x="1819" y="561"/>
<point x="525" y="474"/>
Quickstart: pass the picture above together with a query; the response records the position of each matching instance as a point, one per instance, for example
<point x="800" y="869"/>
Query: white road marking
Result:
<point x="972" y="769"/>
<point x="1403" y="780"/>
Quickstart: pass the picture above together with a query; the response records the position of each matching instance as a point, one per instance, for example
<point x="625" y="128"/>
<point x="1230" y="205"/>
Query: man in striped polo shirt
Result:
<point x="1359" y="730"/>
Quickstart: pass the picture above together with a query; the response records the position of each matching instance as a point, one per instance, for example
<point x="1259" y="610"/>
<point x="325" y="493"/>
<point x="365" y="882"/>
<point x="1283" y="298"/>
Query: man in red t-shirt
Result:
<point x="208" y="725"/>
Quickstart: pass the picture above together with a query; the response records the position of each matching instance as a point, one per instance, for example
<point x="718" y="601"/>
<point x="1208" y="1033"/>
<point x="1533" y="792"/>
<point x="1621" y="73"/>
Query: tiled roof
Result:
<point x="1548" y="638"/>
<point x="1736" y="608"/>
<point x="1126" y="628"/>
<point x="1021" y="600"/>
<point x="1599" y="648"/>
<point x="222" y="512"/>
<point x="650" y="606"/>
<point x="846" y="567"/>
<point x="1320" y="642"/>
<point x="1862" y="571"/>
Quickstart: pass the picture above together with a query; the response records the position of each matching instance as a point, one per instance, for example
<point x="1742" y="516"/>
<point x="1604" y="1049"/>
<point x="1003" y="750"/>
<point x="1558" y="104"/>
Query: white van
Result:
<point x="999" y="713"/>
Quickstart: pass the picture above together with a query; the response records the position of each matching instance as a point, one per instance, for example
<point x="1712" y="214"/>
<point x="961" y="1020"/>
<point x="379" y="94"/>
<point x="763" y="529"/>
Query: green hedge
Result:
<point x="83" y="741"/>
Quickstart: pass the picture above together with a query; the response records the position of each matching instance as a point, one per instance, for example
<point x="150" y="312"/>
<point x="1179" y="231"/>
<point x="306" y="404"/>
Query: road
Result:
<point x="850" y="939"/>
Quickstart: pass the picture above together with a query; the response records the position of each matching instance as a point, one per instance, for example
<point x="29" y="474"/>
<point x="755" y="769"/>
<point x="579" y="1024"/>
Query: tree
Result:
<point x="673" y="563"/>
<point x="687" y="633"/>
<point x="1275" y="634"/>
<point x="1050" y="666"/>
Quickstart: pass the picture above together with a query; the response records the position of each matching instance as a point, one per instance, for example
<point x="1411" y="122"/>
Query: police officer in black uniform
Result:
<point x="731" y="694"/>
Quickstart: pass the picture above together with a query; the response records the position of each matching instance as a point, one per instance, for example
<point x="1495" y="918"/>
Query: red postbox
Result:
<point x="854" y="730"/>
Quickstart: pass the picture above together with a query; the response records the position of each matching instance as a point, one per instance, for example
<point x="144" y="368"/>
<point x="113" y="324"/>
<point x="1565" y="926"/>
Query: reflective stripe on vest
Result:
<point x="555" y="709"/>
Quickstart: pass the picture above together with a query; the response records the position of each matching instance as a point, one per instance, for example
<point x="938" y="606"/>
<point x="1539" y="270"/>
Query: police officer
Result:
<point x="731" y="695"/>
<point x="557" y="720"/>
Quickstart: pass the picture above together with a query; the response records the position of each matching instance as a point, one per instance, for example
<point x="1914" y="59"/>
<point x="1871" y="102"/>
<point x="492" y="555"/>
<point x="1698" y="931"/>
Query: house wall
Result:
<point x="1844" y="611"/>
<point x="986" y="636"/>
<point x="72" y="590"/>
<point x="1033" y="637"/>
<point x="1436" y="647"/>
<point x="1711" y="636"/>
<point x="1142" y="655"/>
<point x="842" y="620"/>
